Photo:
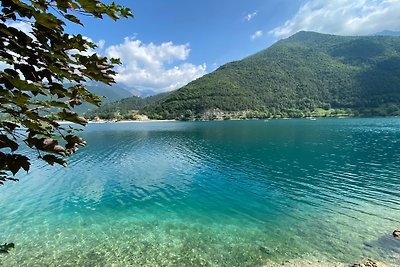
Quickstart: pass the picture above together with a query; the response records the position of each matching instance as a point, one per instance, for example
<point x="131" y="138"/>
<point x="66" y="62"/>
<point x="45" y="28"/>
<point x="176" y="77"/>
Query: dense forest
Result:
<point x="307" y="74"/>
<point x="126" y="108"/>
<point x="108" y="94"/>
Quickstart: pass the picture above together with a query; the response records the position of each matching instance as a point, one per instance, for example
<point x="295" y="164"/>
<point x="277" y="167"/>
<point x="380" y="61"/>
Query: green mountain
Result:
<point x="109" y="94"/>
<point x="307" y="74"/>
<point x="124" y="108"/>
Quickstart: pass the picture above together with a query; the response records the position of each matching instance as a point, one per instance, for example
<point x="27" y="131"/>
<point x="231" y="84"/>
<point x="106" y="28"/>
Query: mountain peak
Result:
<point x="307" y="74"/>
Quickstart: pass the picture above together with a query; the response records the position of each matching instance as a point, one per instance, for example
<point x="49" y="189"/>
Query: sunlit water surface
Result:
<point x="232" y="193"/>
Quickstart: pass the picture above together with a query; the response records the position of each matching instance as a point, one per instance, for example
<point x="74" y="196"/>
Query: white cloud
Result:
<point x="148" y="66"/>
<point x="250" y="16"/>
<point x="100" y="44"/>
<point x="3" y="66"/>
<point x="159" y="68"/>
<point x="22" y="26"/>
<point x="256" y="35"/>
<point x="344" y="17"/>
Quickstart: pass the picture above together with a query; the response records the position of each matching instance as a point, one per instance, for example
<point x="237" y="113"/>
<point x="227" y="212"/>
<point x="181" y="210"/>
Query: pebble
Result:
<point x="396" y="233"/>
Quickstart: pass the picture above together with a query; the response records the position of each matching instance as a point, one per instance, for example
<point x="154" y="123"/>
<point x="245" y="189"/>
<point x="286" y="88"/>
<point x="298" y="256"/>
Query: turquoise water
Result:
<point x="231" y="193"/>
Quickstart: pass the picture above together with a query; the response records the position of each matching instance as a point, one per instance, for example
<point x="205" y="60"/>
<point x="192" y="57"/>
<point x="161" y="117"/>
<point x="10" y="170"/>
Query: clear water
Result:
<point x="232" y="193"/>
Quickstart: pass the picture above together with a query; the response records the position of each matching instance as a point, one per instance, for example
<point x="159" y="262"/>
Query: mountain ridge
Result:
<point x="306" y="74"/>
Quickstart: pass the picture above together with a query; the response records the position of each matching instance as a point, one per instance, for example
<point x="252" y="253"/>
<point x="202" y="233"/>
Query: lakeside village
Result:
<point x="218" y="115"/>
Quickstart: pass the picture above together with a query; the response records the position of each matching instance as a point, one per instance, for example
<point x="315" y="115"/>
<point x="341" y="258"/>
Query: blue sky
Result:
<point x="202" y="34"/>
<point x="172" y="42"/>
<point x="216" y="31"/>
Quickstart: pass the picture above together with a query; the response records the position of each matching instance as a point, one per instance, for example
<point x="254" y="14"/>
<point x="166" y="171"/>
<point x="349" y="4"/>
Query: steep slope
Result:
<point x="296" y="76"/>
<point x="125" y="107"/>
<point x="109" y="94"/>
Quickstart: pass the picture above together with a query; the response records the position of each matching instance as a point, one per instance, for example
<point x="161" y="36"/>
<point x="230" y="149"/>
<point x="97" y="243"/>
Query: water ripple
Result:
<point x="212" y="193"/>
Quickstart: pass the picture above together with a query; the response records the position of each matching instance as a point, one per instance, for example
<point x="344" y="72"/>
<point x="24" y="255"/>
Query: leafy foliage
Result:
<point x="32" y="91"/>
<point x="106" y="93"/>
<point x="297" y="77"/>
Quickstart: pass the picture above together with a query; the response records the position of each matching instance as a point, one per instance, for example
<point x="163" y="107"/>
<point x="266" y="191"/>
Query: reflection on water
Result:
<point x="212" y="193"/>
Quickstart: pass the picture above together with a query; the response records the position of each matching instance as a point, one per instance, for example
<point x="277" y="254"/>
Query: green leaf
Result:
<point x="49" y="21"/>
<point x="71" y="117"/>
<point x="73" y="19"/>
<point x="14" y="167"/>
<point x="63" y="5"/>
<point x="6" y="142"/>
<point x="8" y="126"/>
<point x="115" y="61"/>
<point x="32" y="86"/>
<point x="51" y="159"/>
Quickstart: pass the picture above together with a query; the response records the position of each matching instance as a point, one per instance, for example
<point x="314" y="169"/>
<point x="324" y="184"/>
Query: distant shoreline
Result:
<point x="122" y="121"/>
<point x="128" y="121"/>
<point x="255" y="119"/>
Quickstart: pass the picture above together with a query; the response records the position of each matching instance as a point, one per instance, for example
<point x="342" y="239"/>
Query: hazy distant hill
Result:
<point x="124" y="107"/>
<point x="388" y="33"/>
<point x="306" y="74"/>
<point x="110" y="94"/>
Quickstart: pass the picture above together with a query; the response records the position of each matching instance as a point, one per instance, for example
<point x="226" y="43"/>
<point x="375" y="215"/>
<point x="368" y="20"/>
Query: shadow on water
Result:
<point x="387" y="245"/>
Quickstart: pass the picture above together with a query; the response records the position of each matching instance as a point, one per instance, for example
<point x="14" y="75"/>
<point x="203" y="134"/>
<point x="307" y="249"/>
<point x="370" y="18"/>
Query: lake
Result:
<point x="224" y="193"/>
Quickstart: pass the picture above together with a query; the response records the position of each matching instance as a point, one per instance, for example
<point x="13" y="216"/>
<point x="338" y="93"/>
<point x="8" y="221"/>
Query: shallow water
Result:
<point x="232" y="193"/>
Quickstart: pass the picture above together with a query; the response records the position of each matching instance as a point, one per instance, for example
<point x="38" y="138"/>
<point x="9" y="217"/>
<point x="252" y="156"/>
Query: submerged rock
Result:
<point x="265" y="250"/>
<point x="387" y="244"/>
<point x="369" y="263"/>
<point x="396" y="233"/>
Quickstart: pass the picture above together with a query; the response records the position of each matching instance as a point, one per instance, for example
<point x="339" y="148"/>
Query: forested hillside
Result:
<point x="108" y="94"/>
<point x="125" y="108"/>
<point x="307" y="74"/>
